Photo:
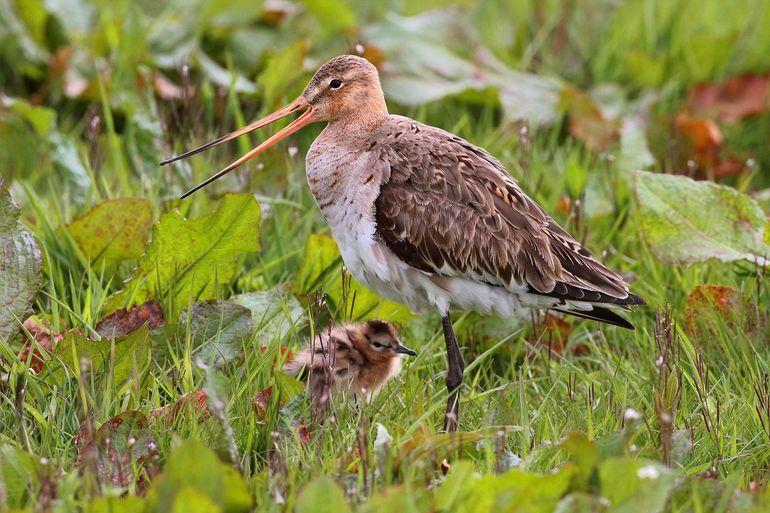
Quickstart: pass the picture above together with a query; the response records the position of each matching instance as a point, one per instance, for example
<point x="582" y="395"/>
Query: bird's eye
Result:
<point x="335" y="84"/>
<point x="378" y="345"/>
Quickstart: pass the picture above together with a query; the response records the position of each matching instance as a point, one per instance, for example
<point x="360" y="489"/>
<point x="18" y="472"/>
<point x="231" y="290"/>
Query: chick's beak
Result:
<point x="402" y="349"/>
<point x="302" y="121"/>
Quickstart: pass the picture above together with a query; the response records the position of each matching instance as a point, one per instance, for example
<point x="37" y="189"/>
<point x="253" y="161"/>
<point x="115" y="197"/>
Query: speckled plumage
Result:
<point x="427" y="219"/>
<point x="359" y="358"/>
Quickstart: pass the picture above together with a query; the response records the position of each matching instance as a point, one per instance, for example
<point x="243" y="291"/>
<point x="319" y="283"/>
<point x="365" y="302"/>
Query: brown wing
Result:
<point x="450" y="208"/>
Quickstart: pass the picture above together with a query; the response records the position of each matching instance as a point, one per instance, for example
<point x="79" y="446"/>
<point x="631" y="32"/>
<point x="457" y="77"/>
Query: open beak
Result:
<point x="305" y="119"/>
<point x="401" y="349"/>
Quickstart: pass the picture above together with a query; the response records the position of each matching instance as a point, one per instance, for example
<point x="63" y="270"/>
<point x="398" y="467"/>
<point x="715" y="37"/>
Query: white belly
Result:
<point x="379" y="269"/>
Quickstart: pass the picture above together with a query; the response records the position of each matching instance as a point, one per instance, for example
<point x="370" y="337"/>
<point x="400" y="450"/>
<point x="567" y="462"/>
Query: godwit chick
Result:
<point x="360" y="358"/>
<point x="427" y="219"/>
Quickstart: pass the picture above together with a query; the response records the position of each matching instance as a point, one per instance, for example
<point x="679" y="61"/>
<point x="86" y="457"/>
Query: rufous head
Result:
<point x="383" y="338"/>
<point x="345" y="89"/>
<point x="347" y="86"/>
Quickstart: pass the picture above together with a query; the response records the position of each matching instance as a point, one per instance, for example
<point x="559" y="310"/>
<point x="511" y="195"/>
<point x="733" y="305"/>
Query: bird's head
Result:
<point x="382" y="337"/>
<point x="345" y="89"/>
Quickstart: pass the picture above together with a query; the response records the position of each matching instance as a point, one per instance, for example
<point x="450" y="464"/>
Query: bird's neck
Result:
<point x="371" y="114"/>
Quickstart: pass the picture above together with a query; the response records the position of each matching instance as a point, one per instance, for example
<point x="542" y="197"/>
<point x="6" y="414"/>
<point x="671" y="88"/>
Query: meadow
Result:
<point x="142" y="336"/>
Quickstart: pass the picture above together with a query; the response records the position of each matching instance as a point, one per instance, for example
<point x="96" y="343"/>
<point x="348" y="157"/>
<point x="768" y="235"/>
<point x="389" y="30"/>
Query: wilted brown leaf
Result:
<point x="261" y="400"/>
<point x="122" y="322"/>
<point x="586" y="121"/>
<point x="42" y="333"/>
<point x="732" y="100"/>
<point x="556" y="332"/>
<point x="196" y="402"/>
<point x="710" y="306"/>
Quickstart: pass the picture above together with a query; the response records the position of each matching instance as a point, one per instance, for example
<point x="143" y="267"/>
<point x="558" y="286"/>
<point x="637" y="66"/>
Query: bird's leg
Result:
<point x="454" y="376"/>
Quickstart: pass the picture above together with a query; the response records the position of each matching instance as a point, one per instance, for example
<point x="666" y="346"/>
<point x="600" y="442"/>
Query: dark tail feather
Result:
<point x="600" y="314"/>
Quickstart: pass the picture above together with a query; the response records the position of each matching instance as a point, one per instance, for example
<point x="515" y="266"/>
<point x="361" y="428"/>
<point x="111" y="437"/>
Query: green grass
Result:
<point x="514" y="383"/>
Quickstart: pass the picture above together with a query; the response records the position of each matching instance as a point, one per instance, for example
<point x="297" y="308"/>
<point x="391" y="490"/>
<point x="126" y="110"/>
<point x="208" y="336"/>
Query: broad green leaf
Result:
<point x="19" y="471"/>
<point x="582" y="451"/>
<point x="218" y="329"/>
<point x="187" y="260"/>
<point x="190" y="500"/>
<point x="457" y="487"/>
<point x="321" y="271"/>
<point x="322" y="495"/>
<point x="42" y="119"/>
<point x="193" y="465"/>
<point x="113" y="231"/>
<point x="333" y="15"/>
<point x="580" y="502"/>
<point x="684" y="221"/>
<point x="108" y="504"/>
<point x="400" y="499"/>
<point x="282" y="68"/>
<point x="129" y="351"/>
<point x="222" y="77"/>
<point x="438" y="54"/>
<point x="68" y="163"/>
<point x="274" y="313"/>
<point x="528" y="492"/>
<point x="20" y="267"/>
<point x="635" y="485"/>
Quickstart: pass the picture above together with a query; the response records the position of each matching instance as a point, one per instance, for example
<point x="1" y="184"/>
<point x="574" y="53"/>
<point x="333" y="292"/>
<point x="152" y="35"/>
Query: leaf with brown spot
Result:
<point x="711" y="307"/>
<point x="124" y="321"/>
<point x="113" y="231"/>
<point x="121" y="452"/>
<point x="195" y="403"/>
<point x="20" y="268"/>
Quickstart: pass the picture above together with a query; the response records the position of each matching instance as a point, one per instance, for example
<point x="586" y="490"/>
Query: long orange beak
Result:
<point x="305" y="119"/>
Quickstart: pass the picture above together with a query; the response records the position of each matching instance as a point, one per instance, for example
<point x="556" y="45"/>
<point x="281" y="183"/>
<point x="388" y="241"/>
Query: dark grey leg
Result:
<point x="454" y="376"/>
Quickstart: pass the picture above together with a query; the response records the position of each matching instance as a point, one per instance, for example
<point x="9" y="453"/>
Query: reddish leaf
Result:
<point x="194" y="401"/>
<point x="45" y="338"/>
<point x="122" y="322"/>
<point x="586" y="121"/>
<point x="564" y="205"/>
<point x="304" y="434"/>
<point x="709" y="306"/>
<point x="373" y="54"/>
<point x="703" y="135"/>
<point x="261" y="401"/>
<point x="556" y="332"/>
<point x="732" y="100"/>
<point x="120" y="452"/>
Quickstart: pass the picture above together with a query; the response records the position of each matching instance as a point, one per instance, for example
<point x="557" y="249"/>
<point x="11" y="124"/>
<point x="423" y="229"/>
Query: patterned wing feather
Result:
<point x="450" y="208"/>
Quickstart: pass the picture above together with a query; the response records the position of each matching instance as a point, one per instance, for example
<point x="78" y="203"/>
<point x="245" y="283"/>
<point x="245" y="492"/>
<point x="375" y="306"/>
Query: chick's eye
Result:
<point x="377" y="344"/>
<point x="335" y="84"/>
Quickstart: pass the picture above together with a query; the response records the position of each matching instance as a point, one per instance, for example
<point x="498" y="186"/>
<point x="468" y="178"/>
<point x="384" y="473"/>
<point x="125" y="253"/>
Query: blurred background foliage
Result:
<point x="574" y="97"/>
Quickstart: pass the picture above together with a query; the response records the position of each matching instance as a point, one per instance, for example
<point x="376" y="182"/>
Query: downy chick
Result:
<point x="359" y="358"/>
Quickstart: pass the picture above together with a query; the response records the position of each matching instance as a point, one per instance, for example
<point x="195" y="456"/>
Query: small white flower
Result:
<point x="44" y="461"/>
<point x="360" y="49"/>
<point x="383" y="440"/>
<point x="293" y="150"/>
<point x="648" y="472"/>
<point x="631" y="414"/>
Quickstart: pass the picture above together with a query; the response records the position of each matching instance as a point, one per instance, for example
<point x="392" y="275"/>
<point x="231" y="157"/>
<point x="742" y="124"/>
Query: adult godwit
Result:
<point x="427" y="219"/>
<point x="358" y="357"/>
